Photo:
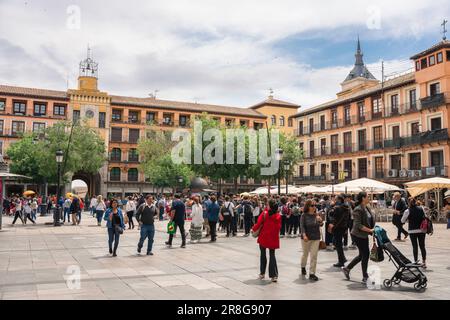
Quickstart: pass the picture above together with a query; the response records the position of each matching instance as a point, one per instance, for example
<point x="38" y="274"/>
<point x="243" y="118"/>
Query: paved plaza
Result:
<point x="34" y="262"/>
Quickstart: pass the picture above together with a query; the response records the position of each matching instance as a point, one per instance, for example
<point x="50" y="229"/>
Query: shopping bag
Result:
<point x="171" y="227"/>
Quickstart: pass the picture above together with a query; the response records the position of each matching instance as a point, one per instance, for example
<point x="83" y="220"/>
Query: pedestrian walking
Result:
<point x="268" y="226"/>
<point x="66" y="209"/>
<point x="310" y="223"/>
<point x="74" y="209"/>
<point x="130" y="209"/>
<point x="339" y="221"/>
<point x="114" y="223"/>
<point x="145" y="216"/>
<point x="17" y="209"/>
<point x="213" y="216"/>
<point x="226" y="211"/>
<point x="100" y="208"/>
<point x="415" y="216"/>
<point x="399" y="207"/>
<point x="177" y="215"/>
<point x="197" y="220"/>
<point x="363" y="225"/>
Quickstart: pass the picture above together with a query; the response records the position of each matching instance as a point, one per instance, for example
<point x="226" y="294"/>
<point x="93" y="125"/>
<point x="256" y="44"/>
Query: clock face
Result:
<point x="89" y="114"/>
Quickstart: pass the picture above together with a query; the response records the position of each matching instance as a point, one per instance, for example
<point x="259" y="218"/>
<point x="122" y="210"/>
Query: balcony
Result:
<point x="420" y="138"/>
<point x="433" y="101"/>
<point x="322" y="179"/>
<point x="10" y="133"/>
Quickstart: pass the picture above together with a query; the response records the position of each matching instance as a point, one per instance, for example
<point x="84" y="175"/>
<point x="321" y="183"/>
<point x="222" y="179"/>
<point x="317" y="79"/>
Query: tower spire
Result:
<point x="359" y="70"/>
<point x="359" y="56"/>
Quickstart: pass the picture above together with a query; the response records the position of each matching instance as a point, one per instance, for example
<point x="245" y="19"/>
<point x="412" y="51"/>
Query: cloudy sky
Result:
<point x="213" y="51"/>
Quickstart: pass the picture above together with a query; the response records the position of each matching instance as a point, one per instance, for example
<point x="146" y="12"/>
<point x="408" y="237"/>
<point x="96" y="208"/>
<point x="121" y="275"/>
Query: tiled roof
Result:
<point x="437" y="46"/>
<point x="185" y="106"/>
<point x="399" y="81"/>
<point x="274" y="102"/>
<point x="32" y="92"/>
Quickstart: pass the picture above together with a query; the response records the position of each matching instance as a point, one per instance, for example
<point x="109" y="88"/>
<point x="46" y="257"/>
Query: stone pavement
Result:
<point x="36" y="262"/>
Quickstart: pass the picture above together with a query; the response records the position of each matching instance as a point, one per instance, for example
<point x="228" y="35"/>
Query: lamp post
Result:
<point x="345" y="178"/>
<point x="180" y="181"/>
<point x="56" y="214"/>
<point x="287" y="166"/>
<point x="278" y="157"/>
<point x="332" y="176"/>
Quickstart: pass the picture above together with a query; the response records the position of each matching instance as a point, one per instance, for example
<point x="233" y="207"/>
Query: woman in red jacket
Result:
<point x="269" y="238"/>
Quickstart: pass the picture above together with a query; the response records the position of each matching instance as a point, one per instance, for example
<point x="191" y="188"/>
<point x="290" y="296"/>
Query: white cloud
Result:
<point x="215" y="51"/>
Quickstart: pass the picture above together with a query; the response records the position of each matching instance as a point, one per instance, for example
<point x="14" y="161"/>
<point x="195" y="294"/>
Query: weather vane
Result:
<point x="444" y="29"/>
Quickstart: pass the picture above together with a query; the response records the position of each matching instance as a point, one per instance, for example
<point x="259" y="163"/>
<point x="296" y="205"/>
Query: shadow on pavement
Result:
<point x="258" y="282"/>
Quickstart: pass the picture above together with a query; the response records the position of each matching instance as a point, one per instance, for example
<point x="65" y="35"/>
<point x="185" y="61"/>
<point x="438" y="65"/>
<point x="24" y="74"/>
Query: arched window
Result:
<point x="116" y="154"/>
<point x="133" y="174"/>
<point x="114" y="174"/>
<point x="282" y="121"/>
<point x="274" y="120"/>
<point x="133" y="155"/>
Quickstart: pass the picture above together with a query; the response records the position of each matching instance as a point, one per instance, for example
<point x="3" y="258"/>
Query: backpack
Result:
<point x="248" y="209"/>
<point x="295" y="211"/>
<point x="226" y="210"/>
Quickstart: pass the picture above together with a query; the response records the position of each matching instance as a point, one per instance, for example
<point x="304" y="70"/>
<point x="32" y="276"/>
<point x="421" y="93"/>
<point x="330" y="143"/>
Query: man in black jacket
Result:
<point x="339" y="220"/>
<point x="145" y="215"/>
<point x="399" y="207"/>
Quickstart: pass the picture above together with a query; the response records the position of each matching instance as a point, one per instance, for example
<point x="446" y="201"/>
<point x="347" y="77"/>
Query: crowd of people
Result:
<point x="336" y="223"/>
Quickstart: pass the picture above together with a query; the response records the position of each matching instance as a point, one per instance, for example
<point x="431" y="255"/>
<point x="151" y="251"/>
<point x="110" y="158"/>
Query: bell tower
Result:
<point x="88" y="73"/>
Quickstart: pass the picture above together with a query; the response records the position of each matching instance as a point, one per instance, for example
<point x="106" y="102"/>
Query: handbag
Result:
<point x="322" y="244"/>
<point x="118" y="229"/>
<point x="256" y="233"/>
<point x="171" y="227"/>
<point x="376" y="253"/>
<point x="125" y="218"/>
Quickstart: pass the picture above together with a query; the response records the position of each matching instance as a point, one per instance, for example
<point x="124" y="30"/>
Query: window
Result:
<point x="347" y="118"/>
<point x="437" y="158"/>
<point x="167" y="119"/>
<point x="133" y="155"/>
<point x="229" y="122"/>
<point x="448" y="55"/>
<point x="348" y="168"/>
<point x="334" y="118"/>
<point x="114" y="174"/>
<point x="1" y="127"/>
<point x="59" y="110"/>
<point x="102" y="120"/>
<point x="436" y="123"/>
<point x="322" y="122"/>
<point x="133" y="116"/>
<point x="378" y="137"/>
<point x="415" y="128"/>
<point x="150" y="117"/>
<point x="274" y="120"/>
<point x="116" y="154"/>
<point x="396" y="132"/>
<point x="323" y="146"/>
<point x="76" y="115"/>
<point x="412" y="99"/>
<point x="376" y="107"/>
<point x="312" y="170"/>
<point x="435" y="88"/>
<point x="38" y="127"/>
<point x="334" y="144"/>
<point x="311" y="125"/>
<point x="394" y="104"/>
<point x="183" y="121"/>
<point x="361" y="112"/>
<point x="440" y="57"/>
<point x="133" y="174"/>
<point x="415" y="161"/>
<point x="300" y="127"/>
<point x="2" y="105"/>
<point x="282" y="121"/>
<point x="116" y="115"/>
<point x="323" y="170"/>
<point x="18" y="127"/>
<point x="362" y="168"/>
<point x="301" y="171"/>
<point x="335" y="169"/>
<point x="311" y="149"/>
<point x="431" y="60"/>
<point x="362" y="140"/>
<point x="396" y="162"/>
<point x="290" y="122"/>
<point x="301" y="146"/>
<point x="133" y="136"/>
<point x="40" y="109"/>
<point x="417" y="65"/>
<point x="116" y="134"/>
<point x="19" y="108"/>
<point x="423" y="63"/>
<point x="379" y="170"/>
<point x="347" y="142"/>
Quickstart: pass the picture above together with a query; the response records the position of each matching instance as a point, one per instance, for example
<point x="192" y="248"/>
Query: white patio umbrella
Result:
<point x="421" y="186"/>
<point x="312" y="189"/>
<point x="367" y="185"/>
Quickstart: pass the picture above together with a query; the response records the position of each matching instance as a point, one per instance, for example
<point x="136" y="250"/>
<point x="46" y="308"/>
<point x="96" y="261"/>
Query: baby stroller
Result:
<point x="406" y="270"/>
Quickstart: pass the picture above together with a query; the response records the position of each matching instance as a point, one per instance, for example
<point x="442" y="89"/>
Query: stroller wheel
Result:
<point x="418" y="286"/>
<point x="387" y="283"/>
<point x="397" y="281"/>
<point x="424" y="285"/>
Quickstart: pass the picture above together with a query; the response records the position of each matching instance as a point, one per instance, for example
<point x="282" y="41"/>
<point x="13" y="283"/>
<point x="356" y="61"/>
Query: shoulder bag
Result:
<point x="256" y="233"/>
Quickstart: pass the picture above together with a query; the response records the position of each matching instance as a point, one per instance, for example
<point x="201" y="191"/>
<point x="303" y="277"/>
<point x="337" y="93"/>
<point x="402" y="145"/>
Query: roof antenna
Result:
<point x="153" y="95"/>
<point x="270" y="93"/>
<point x="444" y="30"/>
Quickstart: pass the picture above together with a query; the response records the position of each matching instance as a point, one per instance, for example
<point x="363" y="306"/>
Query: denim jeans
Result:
<point x="113" y="236"/>
<point x="66" y="213"/>
<point x="33" y="214"/>
<point x="79" y="216"/>
<point x="147" y="231"/>
<point x="99" y="214"/>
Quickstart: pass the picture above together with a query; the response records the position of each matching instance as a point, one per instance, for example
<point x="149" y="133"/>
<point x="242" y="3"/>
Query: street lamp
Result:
<point x="332" y="176"/>
<point x="56" y="214"/>
<point x="345" y="178"/>
<point x="278" y="157"/>
<point x="287" y="166"/>
<point x="180" y="180"/>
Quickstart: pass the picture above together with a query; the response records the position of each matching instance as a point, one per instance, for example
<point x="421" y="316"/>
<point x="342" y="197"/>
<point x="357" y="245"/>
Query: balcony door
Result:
<point x="362" y="168"/>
